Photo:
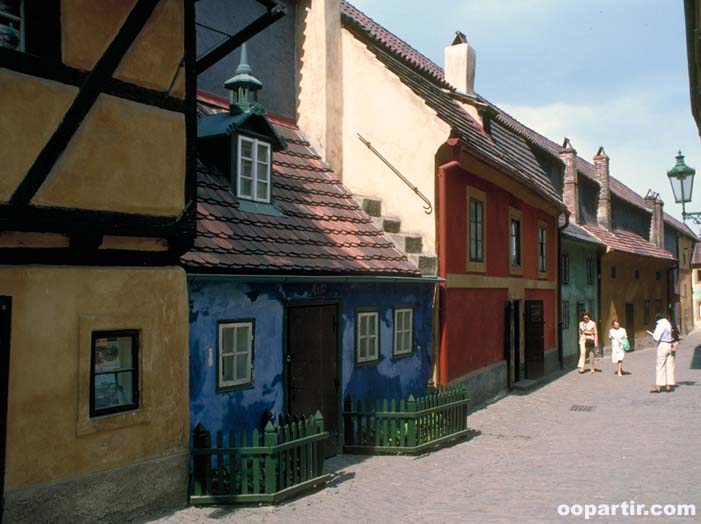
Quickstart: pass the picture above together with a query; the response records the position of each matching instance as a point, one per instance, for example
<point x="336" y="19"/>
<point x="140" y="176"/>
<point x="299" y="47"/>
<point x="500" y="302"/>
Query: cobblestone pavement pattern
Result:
<point x="528" y="454"/>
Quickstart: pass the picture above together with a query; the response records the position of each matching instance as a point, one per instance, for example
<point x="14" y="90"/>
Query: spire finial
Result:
<point x="243" y="85"/>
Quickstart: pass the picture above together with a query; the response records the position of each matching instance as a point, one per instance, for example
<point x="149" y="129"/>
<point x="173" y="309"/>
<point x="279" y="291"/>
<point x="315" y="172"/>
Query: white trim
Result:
<point x="254" y="162"/>
<point x="372" y="340"/>
<point x="233" y="355"/>
<point x="407" y="331"/>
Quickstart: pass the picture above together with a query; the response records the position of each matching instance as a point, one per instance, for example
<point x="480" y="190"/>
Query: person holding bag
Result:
<point x="664" y="375"/>
<point x="588" y="340"/>
<point x="619" y="341"/>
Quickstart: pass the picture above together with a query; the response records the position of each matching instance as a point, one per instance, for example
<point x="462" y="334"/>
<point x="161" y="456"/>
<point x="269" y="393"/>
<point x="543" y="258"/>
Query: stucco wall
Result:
<point x="579" y="291"/>
<point x="686" y="305"/>
<point x="626" y="289"/>
<point x="398" y="123"/>
<point x="55" y="309"/>
<point x="212" y="301"/>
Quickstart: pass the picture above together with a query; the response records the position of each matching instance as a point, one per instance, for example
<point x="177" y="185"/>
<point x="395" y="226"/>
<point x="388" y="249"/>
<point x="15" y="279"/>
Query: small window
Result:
<point x="515" y="239"/>
<point x="646" y="312"/>
<point x="637" y="274"/>
<point x="658" y="276"/>
<point x="542" y="248"/>
<point x="367" y="339"/>
<point x="590" y="271"/>
<point x="253" y="175"/>
<point x="476" y="230"/>
<point x="114" y="380"/>
<point x="403" y="331"/>
<point x="235" y="354"/>
<point x="565" y="315"/>
<point x="613" y="271"/>
<point x="581" y="308"/>
<point x="565" y="262"/>
<point x="31" y="26"/>
<point x="658" y="306"/>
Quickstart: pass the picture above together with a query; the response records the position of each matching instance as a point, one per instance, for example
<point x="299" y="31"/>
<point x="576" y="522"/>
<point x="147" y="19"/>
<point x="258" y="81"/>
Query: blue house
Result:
<point x="297" y="298"/>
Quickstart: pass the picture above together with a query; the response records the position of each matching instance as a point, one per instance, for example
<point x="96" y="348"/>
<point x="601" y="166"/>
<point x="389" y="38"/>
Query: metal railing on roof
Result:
<point x="428" y="208"/>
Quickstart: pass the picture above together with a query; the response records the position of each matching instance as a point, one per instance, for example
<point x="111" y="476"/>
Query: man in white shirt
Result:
<point x="665" y="355"/>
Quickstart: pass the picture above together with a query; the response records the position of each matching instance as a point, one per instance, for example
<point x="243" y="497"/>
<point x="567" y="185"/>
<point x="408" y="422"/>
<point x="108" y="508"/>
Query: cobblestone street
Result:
<point x="528" y="454"/>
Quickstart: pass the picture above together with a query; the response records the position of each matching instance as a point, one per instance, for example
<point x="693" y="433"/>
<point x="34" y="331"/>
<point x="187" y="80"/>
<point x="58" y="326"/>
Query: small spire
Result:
<point x="243" y="85"/>
<point x="460" y="38"/>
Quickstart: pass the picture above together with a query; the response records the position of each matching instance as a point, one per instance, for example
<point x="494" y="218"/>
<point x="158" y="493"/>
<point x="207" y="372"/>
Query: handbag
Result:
<point x="589" y="343"/>
<point x="625" y="343"/>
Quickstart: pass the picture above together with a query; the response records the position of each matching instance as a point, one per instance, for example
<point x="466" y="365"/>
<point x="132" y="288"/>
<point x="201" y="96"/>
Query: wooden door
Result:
<point x="312" y="366"/>
<point x="5" y="323"/>
<point x="630" y="324"/>
<point x="535" y="340"/>
<point x="516" y="331"/>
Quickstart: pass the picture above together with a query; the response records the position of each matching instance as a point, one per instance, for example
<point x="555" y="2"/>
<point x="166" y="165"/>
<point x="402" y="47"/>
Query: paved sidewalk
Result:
<point x="528" y="455"/>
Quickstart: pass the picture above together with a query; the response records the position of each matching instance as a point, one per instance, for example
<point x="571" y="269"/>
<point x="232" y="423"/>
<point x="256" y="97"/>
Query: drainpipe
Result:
<point x="442" y="263"/>
<point x="560" y="349"/>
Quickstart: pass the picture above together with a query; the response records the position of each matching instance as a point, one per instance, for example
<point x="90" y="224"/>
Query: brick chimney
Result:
<point x="655" y="204"/>
<point x="570" y="186"/>
<point x="459" y="60"/>
<point x="601" y="168"/>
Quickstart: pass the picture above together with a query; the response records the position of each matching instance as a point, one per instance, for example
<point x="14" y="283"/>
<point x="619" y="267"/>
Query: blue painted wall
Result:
<point x="212" y="301"/>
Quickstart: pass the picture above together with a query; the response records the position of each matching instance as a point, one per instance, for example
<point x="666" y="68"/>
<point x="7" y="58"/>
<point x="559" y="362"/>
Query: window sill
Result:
<point x="260" y="208"/>
<point x="367" y="363"/>
<point x="238" y="387"/>
<point x="112" y="421"/>
<point x="402" y="356"/>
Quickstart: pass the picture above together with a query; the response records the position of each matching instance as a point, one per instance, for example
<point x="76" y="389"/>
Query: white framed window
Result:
<point x="403" y="331"/>
<point x="12" y="24"/>
<point x="367" y="336"/>
<point x="235" y="360"/>
<point x="253" y="169"/>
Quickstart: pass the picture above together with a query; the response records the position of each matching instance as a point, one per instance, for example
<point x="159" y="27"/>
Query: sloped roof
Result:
<point x="577" y="232"/>
<point x="320" y="230"/>
<point x="628" y="242"/>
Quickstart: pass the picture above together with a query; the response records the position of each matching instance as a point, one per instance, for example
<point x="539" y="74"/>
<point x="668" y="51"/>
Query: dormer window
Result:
<point x="253" y="169"/>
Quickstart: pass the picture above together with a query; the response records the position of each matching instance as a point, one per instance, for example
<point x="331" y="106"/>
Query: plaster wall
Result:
<point x="215" y="300"/>
<point x="51" y="435"/>
<point x="399" y="124"/>
<point x="625" y="288"/>
<point x="126" y="157"/>
<point x="153" y="61"/>
<point x="578" y="291"/>
<point x="684" y="276"/>
<point x="696" y="294"/>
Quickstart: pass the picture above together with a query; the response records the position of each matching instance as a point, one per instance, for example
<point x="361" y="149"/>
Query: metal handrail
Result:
<point x="428" y="208"/>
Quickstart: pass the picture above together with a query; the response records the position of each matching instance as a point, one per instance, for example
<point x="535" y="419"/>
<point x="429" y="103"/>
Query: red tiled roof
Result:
<point x="321" y="230"/>
<point x="627" y="242"/>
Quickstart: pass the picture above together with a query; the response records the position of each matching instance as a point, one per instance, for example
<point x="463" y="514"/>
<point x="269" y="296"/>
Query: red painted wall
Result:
<point x="474" y="330"/>
<point x="473" y="318"/>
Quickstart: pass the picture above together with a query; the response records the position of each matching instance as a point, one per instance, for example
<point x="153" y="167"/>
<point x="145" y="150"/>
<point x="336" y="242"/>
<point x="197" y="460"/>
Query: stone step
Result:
<point x="406" y="242"/>
<point x="388" y="224"/>
<point x="426" y="264"/>
<point x="372" y="206"/>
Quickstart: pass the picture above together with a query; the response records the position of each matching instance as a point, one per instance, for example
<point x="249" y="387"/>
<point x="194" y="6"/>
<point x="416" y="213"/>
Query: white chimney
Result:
<point x="460" y="65"/>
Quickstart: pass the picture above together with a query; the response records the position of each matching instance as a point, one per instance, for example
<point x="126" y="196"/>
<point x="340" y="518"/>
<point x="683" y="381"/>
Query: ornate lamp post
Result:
<point x="681" y="178"/>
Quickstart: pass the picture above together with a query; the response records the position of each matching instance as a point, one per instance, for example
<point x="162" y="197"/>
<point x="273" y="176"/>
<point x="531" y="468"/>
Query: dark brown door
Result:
<point x="516" y="343"/>
<point x="312" y="358"/>
<point x="5" y="322"/>
<point x="630" y="324"/>
<point x="535" y="345"/>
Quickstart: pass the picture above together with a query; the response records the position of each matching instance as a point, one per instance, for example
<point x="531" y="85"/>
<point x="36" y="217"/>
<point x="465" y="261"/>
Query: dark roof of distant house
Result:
<point x="321" y="230"/>
<point x="627" y="242"/>
<point x="379" y="38"/>
<point x="577" y="232"/>
<point x="696" y="258"/>
<point x="506" y="150"/>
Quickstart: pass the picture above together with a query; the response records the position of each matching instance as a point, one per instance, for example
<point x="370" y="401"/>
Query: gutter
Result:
<point x="560" y="349"/>
<point x="300" y="279"/>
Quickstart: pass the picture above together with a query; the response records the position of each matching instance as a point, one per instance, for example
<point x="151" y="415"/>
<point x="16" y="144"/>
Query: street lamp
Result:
<point x="681" y="178"/>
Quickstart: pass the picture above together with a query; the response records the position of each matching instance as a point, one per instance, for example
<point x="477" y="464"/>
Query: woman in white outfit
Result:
<point x="665" y="354"/>
<point x="617" y="334"/>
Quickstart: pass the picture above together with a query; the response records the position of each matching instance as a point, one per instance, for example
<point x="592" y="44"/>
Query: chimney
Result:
<point x="570" y="186"/>
<point x="655" y="204"/>
<point x="460" y="65"/>
<point x="601" y="168"/>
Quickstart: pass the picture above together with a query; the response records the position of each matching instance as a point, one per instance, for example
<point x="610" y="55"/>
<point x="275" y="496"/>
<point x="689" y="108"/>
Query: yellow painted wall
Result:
<point x="30" y="111"/>
<point x="55" y="309"/>
<point x="126" y="157"/>
<point x="88" y="27"/>
<point x="626" y="289"/>
<point x="398" y="123"/>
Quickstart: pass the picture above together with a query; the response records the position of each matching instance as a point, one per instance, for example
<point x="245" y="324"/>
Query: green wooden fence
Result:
<point x="268" y="467"/>
<point x="409" y="426"/>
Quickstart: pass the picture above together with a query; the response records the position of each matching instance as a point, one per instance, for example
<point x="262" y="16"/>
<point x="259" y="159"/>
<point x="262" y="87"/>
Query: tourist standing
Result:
<point x="665" y="355"/>
<point x="588" y="340"/>
<point x="617" y="335"/>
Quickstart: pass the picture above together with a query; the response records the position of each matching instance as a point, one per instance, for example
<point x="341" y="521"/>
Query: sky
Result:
<point x="609" y="73"/>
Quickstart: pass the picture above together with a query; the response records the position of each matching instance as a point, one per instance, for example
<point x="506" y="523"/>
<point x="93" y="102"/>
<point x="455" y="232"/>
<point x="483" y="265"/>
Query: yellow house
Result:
<point x="96" y="204"/>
